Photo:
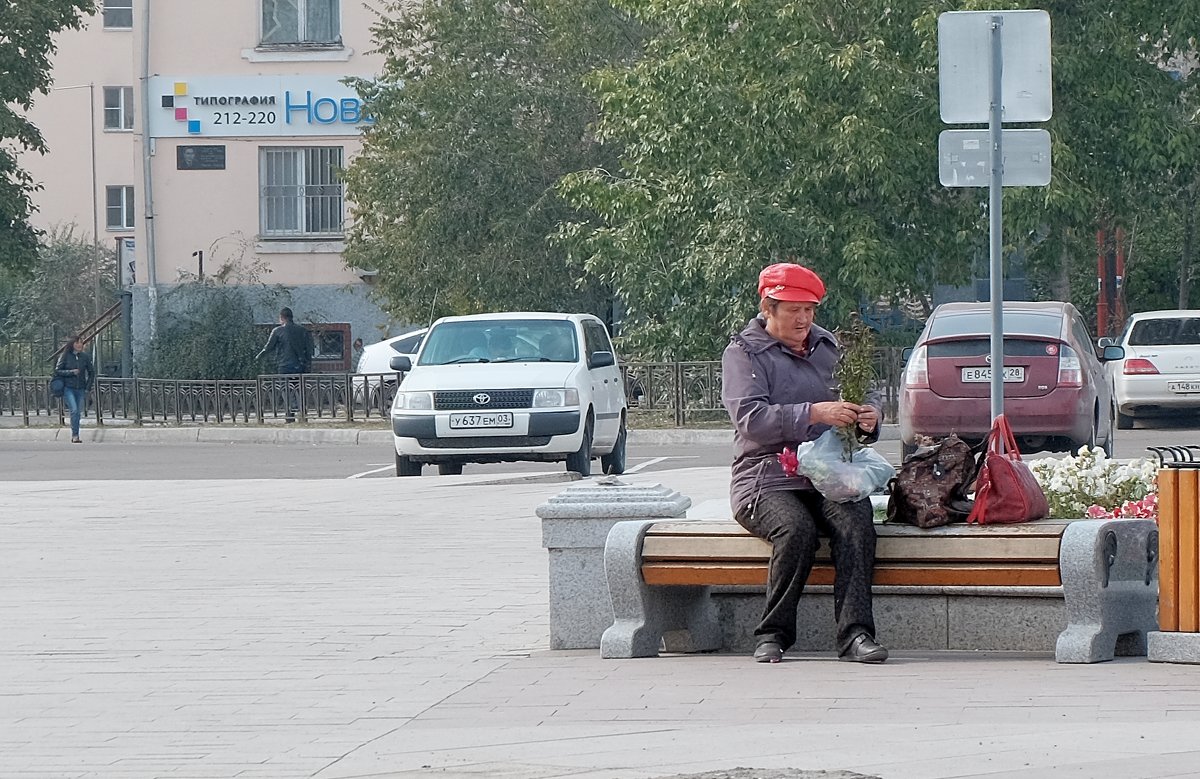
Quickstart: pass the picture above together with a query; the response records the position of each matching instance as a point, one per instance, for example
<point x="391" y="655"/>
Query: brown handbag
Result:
<point x="930" y="489"/>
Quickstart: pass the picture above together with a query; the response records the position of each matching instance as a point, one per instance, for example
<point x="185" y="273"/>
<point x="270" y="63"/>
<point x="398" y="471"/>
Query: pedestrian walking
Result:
<point x="75" y="368"/>
<point x="293" y="348"/>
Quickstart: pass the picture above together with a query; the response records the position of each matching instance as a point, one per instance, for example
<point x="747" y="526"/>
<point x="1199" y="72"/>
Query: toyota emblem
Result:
<point x="481" y="398"/>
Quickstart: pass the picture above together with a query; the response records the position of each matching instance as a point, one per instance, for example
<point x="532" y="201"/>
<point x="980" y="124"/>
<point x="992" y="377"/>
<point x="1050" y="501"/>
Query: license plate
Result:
<point x="1011" y="373"/>
<point x="476" y="421"/>
<point x="1183" y="387"/>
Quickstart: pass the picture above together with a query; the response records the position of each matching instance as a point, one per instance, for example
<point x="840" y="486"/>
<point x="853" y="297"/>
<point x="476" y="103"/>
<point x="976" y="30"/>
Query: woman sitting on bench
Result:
<point x="778" y="387"/>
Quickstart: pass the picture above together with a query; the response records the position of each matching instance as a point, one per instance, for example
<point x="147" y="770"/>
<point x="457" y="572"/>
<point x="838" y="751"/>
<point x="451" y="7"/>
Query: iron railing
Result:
<point x="678" y="393"/>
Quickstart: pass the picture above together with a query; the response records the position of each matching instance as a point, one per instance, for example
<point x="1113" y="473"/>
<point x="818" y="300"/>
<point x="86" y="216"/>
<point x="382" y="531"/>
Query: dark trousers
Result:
<point x="291" y="392"/>
<point x="792" y="521"/>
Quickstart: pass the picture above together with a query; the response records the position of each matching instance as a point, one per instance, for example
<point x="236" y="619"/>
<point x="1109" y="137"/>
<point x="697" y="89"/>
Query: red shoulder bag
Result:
<point x="1006" y="491"/>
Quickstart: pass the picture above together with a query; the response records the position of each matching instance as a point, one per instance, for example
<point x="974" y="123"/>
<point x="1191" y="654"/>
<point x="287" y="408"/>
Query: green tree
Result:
<point x="778" y="130"/>
<point x="479" y="110"/>
<point x="27" y="30"/>
<point x="766" y="132"/>
<point x="59" y="294"/>
<point x="211" y="331"/>
<point x="1124" y="144"/>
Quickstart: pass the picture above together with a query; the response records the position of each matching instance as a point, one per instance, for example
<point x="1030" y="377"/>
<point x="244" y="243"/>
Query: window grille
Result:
<point x="301" y="192"/>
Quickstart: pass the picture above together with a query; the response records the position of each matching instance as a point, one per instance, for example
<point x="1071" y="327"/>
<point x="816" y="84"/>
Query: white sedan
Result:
<point x="1160" y="374"/>
<point x="374" y="375"/>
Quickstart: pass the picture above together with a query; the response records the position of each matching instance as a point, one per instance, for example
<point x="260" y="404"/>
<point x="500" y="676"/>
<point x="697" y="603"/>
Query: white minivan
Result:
<point x="511" y="386"/>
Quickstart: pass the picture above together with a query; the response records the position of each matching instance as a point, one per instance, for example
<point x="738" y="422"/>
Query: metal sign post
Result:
<point x="1024" y="97"/>
<point x="995" y="223"/>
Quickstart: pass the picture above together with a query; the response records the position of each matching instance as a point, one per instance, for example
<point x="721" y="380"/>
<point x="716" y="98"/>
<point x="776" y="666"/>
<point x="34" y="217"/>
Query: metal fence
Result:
<point x="34" y="356"/>
<point x="668" y="393"/>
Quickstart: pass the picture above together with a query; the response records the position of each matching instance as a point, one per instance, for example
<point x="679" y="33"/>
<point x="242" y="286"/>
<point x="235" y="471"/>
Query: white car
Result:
<point x="508" y="387"/>
<point x="376" y="362"/>
<point x="1161" y="371"/>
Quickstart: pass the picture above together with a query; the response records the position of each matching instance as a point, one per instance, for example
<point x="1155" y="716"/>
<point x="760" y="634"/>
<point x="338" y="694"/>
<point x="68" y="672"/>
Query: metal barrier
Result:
<point x="671" y="393"/>
<point x="1179" y="538"/>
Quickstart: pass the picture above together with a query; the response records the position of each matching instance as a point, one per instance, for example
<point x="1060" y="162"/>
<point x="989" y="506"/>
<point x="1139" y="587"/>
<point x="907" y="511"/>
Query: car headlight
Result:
<point x="555" y="398"/>
<point x="413" y="401"/>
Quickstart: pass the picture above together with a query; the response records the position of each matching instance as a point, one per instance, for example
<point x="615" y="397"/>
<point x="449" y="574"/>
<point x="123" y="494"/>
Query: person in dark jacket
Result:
<point x="293" y="348"/>
<point x="74" y="366"/>
<point x="779" y="389"/>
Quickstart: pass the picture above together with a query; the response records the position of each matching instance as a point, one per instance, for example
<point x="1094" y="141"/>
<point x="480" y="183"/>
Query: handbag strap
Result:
<point x="1001" y="439"/>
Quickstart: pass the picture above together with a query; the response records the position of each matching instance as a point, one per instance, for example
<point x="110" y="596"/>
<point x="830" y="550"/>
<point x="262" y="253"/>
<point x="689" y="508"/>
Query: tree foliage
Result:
<point x="59" y="294"/>
<point x="27" y="30"/>
<point x="787" y="130"/>
<point x="479" y="109"/>
<point x="211" y="331"/>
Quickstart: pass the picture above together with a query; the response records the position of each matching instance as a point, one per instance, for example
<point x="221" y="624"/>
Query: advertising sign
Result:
<point x="236" y="107"/>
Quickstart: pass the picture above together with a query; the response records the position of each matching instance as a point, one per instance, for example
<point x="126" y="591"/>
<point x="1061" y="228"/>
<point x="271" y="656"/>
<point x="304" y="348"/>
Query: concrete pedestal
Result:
<point x="1165" y="647"/>
<point x="575" y="524"/>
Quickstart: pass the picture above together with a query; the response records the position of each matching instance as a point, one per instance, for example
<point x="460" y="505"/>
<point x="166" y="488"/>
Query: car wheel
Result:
<point x="581" y="461"/>
<point x="1091" y="441"/>
<point x="407" y="466"/>
<point x="450" y="469"/>
<point x="1124" y="421"/>
<point x="614" y="461"/>
<point x="1110" y="440"/>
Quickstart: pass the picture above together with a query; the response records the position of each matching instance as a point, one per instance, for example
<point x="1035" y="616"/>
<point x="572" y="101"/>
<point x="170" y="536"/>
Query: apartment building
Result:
<point x="187" y="134"/>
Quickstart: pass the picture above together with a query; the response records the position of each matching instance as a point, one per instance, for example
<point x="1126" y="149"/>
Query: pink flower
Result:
<point x="789" y="461"/>
<point x="1146" y="508"/>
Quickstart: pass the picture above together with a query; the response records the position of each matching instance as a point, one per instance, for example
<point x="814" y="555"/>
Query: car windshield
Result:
<point x="1176" y="331"/>
<point x="501" y="340"/>
<point x="1041" y="323"/>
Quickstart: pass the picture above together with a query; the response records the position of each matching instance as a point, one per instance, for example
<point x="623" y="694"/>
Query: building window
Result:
<point x="118" y="108"/>
<point x="118" y="208"/>
<point x="118" y="14"/>
<point x="301" y="192"/>
<point x="301" y="22"/>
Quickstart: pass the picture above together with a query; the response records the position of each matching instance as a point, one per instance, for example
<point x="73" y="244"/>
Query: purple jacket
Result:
<point x="768" y="390"/>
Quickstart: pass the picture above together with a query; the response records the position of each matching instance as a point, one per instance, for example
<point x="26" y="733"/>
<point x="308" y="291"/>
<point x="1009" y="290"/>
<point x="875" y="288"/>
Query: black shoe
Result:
<point x="768" y="652"/>
<point x="864" y="649"/>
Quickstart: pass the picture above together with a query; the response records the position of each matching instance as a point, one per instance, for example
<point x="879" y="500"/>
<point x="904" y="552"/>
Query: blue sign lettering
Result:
<point x="325" y="110"/>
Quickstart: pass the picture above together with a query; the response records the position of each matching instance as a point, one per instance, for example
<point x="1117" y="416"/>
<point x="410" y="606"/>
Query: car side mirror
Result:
<point x="601" y="360"/>
<point x="401" y="363"/>
<point x="1111" y="353"/>
<point x="1106" y="341"/>
<point x="906" y="353"/>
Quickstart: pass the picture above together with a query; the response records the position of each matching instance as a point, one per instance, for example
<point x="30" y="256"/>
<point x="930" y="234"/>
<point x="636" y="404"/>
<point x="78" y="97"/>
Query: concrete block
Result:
<point x="925" y="618"/>
<point x="1172" y="647"/>
<point x="1109" y="572"/>
<point x="1005" y="621"/>
<point x="909" y="620"/>
<point x="575" y="528"/>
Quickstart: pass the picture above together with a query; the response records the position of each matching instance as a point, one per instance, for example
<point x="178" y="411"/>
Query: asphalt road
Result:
<point x="58" y="460"/>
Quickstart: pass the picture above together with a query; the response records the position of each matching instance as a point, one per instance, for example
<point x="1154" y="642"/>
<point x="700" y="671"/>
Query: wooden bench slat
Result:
<point x="1043" y="527"/>
<point x="948" y="575"/>
<point x="899" y="549"/>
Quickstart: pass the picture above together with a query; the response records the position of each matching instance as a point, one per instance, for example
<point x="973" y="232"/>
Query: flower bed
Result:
<point x="1089" y="484"/>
